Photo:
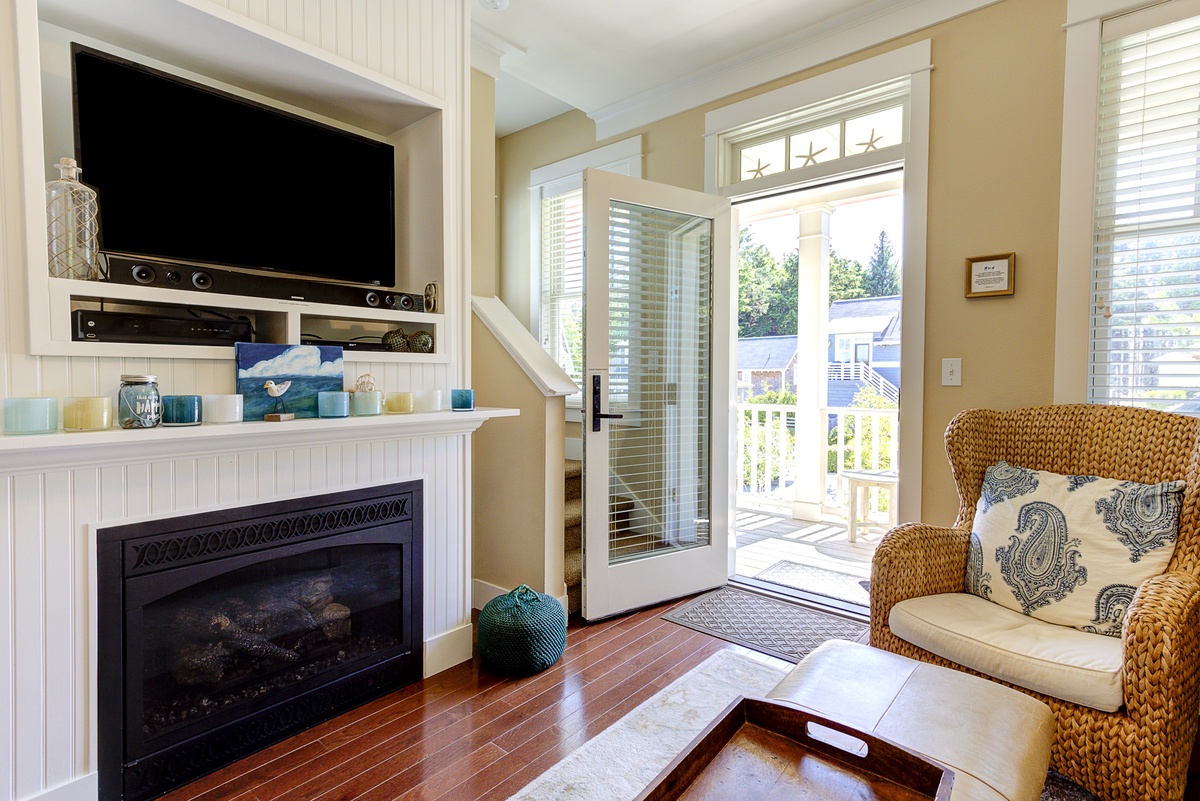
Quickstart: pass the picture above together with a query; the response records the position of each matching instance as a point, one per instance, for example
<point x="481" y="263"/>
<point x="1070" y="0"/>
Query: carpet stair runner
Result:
<point x="573" y="530"/>
<point x="573" y="533"/>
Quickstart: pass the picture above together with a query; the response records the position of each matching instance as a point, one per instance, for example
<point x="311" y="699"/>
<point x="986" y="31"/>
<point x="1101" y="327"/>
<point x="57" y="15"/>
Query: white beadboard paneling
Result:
<point x="29" y="634"/>
<point x="60" y="569"/>
<point x="47" y="736"/>
<point x="85" y="505"/>
<point x="7" y="660"/>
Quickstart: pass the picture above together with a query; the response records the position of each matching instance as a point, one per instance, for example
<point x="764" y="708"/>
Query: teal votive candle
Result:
<point x="462" y="400"/>
<point x="367" y="404"/>
<point x="181" y="410"/>
<point x="30" y="415"/>
<point x="333" y="404"/>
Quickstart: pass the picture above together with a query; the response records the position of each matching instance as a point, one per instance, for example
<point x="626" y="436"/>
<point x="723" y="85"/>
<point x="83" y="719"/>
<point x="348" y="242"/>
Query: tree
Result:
<point x="845" y="278"/>
<point x="883" y="272"/>
<point x="758" y="278"/>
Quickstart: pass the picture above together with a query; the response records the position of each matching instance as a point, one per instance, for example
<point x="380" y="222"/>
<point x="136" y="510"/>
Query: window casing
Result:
<point x="557" y="212"/>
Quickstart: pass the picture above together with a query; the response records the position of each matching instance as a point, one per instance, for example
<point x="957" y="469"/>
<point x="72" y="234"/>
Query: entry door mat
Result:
<point x="819" y="580"/>
<point x="779" y="628"/>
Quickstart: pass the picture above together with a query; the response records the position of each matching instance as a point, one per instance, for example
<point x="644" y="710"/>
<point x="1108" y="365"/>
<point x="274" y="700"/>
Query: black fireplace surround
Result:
<point x="220" y="633"/>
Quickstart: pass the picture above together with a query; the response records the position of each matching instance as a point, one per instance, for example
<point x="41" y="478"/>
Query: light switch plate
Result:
<point x="951" y="372"/>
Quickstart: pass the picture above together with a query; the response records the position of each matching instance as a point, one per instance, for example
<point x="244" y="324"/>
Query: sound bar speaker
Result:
<point x="224" y="281"/>
<point x="102" y="326"/>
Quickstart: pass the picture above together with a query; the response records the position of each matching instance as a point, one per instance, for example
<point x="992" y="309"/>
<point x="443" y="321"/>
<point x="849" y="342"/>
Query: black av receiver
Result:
<point x="225" y="281"/>
<point x="103" y="326"/>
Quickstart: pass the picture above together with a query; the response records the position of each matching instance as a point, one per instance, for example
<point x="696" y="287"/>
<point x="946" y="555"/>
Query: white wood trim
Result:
<point x="84" y="788"/>
<point x="912" y="60"/>
<point x="1077" y="181"/>
<point x="1083" y="11"/>
<point x="859" y="75"/>
<point x="627" y="150"/>
<point x="448" y="649"/>
<point x="808" y="49"/>
<point x="526" y="351"/>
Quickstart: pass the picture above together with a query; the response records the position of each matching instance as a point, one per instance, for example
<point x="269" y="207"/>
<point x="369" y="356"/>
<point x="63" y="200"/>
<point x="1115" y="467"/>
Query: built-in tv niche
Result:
<point x="223" y="632"/>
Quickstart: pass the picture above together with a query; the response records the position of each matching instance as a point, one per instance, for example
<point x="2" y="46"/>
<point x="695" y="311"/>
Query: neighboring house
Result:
<point x="864" y="347"/>
<point x="765" y="364"/>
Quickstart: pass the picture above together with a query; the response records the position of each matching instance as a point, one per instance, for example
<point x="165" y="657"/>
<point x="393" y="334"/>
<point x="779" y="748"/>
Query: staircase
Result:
<point x="573" y="533"/>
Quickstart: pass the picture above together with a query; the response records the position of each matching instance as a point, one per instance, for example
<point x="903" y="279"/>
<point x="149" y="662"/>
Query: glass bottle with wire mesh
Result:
<point x="71" y="225"/>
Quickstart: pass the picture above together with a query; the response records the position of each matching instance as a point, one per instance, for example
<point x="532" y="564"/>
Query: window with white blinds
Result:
<point x="562" y="280"/>
<point x="558" y="248"/>
<point x="1145" y="304"/>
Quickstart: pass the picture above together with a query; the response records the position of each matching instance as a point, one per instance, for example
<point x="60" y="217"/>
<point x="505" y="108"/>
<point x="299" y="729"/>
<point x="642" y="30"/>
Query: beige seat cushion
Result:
<point x="996" y="740"/>
<point x="1056" y="660"/>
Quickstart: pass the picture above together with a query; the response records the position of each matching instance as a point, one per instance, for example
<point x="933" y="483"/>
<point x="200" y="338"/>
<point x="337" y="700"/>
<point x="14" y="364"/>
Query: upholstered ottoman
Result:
<point x="996" y="740"/>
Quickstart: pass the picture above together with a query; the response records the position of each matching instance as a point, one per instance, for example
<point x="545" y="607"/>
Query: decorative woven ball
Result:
<point x="421" y="342"/>
<point x="395" y="340"/>
<point x="521" y="633"/>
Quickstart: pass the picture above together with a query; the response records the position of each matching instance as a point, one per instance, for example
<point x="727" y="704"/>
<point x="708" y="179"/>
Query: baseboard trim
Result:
<point x="448" y="649"/>
<point x="482" y="592"/>
<point x="85" y="788"/>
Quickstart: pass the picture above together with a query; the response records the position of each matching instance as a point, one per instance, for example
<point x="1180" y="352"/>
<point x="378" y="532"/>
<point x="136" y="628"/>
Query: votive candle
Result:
<point x="367" y="403"/>
<point x="400" y="403"/>
<point x="87" y="413"/>
<point x="30" y="415"/>
<point x="333" y="404"/>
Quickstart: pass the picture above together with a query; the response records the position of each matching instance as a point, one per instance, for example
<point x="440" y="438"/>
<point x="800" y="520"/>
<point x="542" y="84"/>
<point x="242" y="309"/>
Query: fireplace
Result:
<point x="220" y="633"/>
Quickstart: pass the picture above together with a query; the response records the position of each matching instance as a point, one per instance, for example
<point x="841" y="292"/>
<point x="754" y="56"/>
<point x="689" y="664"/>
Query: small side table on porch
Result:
<point x="860" y="482"/>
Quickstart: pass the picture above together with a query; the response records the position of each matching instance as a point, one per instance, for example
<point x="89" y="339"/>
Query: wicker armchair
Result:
<point x="1141" y="751"/>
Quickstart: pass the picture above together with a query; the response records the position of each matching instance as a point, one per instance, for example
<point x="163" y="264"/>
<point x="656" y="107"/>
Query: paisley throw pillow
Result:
<point x="1070" y="550"/>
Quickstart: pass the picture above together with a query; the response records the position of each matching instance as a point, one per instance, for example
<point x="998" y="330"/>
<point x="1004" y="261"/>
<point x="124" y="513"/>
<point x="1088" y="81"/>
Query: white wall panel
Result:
<point x="49" y="543"/>
<point x="47" y="730"/>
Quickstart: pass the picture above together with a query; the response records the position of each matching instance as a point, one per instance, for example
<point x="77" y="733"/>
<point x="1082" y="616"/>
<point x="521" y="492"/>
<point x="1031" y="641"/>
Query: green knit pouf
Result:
<point x="522" y="632"/>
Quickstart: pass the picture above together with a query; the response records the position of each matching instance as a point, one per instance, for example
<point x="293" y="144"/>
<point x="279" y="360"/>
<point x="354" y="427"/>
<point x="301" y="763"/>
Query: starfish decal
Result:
<point x="871" y="143"/>
<point x="757" y="172"/>
<point x="810" y="157"/>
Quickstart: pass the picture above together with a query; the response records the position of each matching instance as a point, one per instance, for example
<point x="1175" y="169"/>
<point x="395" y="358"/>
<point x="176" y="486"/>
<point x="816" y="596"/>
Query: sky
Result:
<point x="854" y="229"/>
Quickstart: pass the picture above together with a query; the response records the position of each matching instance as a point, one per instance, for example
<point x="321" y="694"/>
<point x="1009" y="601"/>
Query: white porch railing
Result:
<point x="858" y="371"/>
<point x="855" y="439"/>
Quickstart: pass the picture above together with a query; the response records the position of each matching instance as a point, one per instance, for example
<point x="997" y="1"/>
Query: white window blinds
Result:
<point x="1145" y="305"/>
<point x="562" y="279"/>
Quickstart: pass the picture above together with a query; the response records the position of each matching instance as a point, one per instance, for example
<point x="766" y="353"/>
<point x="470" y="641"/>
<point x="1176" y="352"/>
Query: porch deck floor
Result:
<point x="763" y="540"/>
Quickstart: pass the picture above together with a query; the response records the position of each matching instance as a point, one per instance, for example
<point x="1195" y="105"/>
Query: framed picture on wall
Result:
<point x="989" y="276"/>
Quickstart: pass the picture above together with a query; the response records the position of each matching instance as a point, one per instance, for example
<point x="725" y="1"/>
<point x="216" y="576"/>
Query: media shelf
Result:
<point x="212" y="45"/>
<point x="274" y="321"/>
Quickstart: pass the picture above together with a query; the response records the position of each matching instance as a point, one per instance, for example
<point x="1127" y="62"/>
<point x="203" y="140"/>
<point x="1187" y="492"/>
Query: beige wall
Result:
<point x="484" y="234"/>
<point x="995" y="140"/>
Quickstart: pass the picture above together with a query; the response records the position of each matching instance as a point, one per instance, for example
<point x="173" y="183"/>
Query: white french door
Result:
<point x="657" y="317"/>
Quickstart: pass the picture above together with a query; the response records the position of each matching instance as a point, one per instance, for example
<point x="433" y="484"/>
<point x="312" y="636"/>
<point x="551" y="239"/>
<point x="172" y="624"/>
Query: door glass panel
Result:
<point x="659" y="368"/>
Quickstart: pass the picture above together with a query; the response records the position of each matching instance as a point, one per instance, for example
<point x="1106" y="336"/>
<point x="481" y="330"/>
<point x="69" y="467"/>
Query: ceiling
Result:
<point x="603" y="56"/>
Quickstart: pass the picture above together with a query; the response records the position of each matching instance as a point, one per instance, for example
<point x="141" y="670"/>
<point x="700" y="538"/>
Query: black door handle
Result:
<point x="597" y="415"/>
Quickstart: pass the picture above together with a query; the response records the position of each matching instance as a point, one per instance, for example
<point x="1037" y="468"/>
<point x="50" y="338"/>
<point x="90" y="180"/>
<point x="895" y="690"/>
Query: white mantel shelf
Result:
<point x="67" y="450"/>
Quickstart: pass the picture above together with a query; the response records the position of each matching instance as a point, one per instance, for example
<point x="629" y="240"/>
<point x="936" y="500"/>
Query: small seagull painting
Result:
<point x="282" y="382"/>
<point x="277" y="391"/>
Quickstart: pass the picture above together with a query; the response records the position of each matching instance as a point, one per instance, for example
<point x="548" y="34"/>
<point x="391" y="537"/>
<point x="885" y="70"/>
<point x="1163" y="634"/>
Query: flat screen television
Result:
<point x="187" y="173"/>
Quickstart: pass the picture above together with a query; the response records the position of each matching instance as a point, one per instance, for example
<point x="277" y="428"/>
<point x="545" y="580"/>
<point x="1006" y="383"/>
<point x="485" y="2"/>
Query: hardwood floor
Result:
<point x="465" y="734"/>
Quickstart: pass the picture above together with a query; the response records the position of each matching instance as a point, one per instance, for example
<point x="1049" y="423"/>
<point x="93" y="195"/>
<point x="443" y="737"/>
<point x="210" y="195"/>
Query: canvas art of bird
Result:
<point x="277" y="391"/>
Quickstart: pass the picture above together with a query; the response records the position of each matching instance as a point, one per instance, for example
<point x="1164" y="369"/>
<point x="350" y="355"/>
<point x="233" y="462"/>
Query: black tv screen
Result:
<point x="188" y="173"/>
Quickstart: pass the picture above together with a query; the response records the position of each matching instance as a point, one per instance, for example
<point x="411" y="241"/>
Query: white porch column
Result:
<point x="811" y="356"/>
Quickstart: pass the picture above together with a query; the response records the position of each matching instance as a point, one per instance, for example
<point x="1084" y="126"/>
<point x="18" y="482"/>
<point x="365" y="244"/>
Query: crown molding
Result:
<point x="784" y="57"/>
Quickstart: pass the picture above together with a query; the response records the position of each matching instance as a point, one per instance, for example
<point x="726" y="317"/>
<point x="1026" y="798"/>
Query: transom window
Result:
<point x="861" y="124"/>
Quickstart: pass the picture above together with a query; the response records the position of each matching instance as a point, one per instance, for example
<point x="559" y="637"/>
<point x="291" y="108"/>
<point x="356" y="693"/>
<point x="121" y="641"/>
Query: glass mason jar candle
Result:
<point x="138" y="402"/>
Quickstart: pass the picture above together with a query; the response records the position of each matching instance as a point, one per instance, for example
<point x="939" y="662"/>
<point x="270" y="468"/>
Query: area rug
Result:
<point x="621" y="761"/>
<point x="779" y="628"/>
<point x="820" y="580"/>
